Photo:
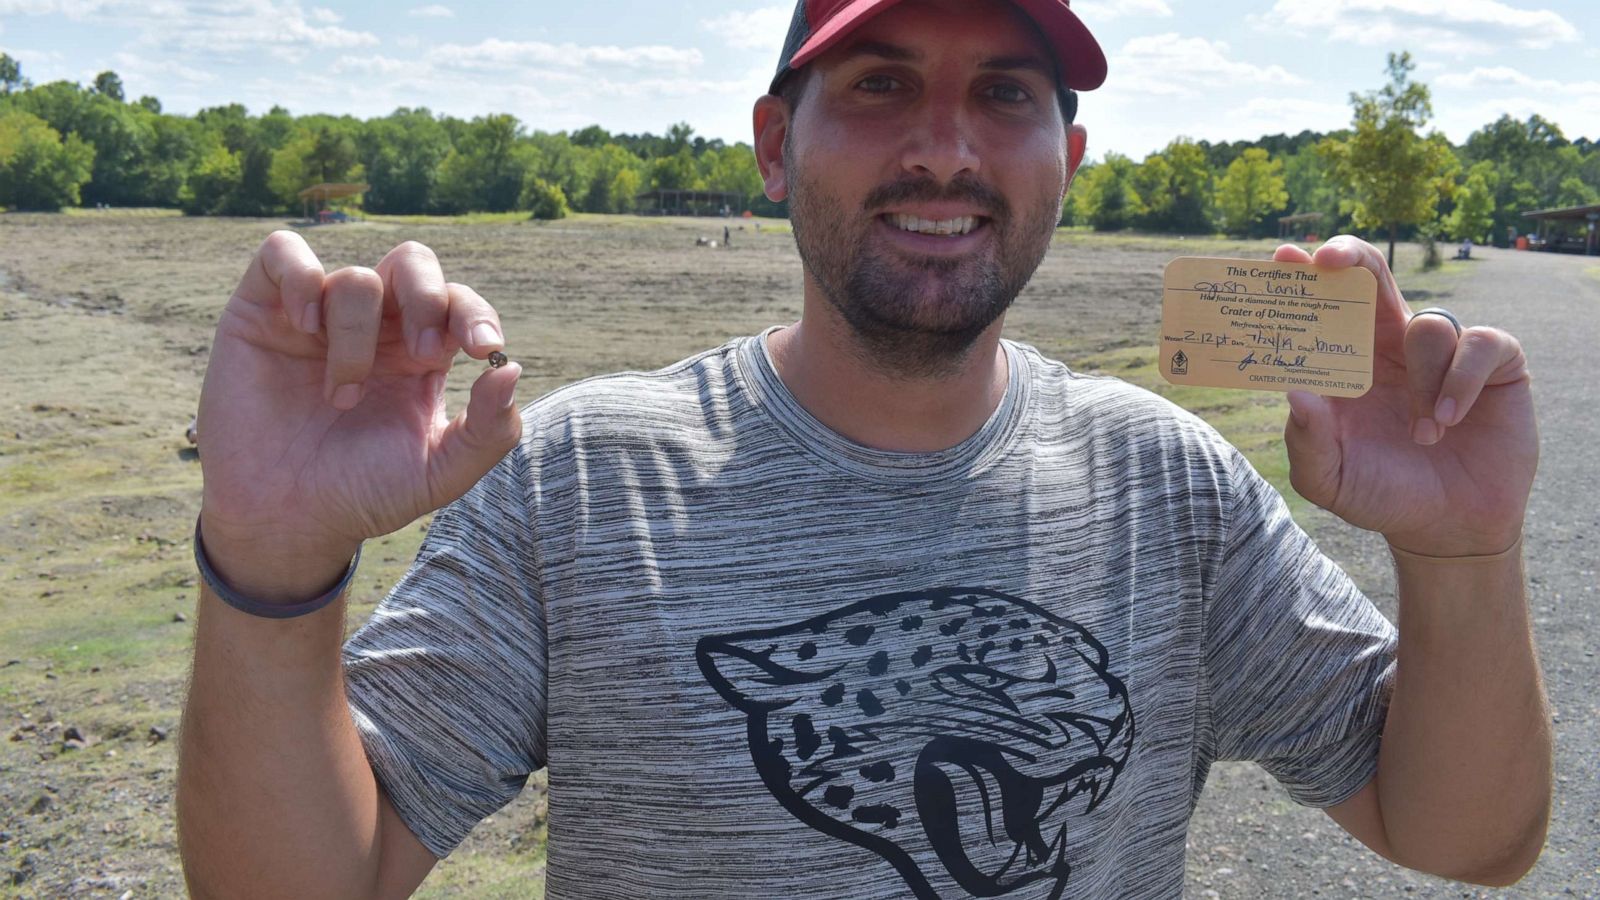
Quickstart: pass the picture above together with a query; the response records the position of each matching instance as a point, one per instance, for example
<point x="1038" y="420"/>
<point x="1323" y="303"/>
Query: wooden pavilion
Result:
<point x="1575" y="229"/>
<point x="670" y="202"/>
<point x="320" y="194"/>
<point x="1299" y="227"/>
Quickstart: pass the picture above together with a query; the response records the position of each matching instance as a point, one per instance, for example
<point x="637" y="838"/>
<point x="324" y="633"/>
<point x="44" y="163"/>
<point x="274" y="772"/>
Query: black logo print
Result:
<point x="958" y="724"/>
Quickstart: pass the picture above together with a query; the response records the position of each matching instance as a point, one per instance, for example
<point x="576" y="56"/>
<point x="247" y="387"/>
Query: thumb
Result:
<point x="478" y="438"/>
<point x="1312" y="440"/>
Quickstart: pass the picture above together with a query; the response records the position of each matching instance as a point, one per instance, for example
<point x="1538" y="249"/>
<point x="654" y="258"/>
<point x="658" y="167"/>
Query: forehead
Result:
<point x="979" y="29"/>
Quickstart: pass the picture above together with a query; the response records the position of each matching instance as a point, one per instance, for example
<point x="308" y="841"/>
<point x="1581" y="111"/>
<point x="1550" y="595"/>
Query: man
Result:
<point x="873" y="605"/>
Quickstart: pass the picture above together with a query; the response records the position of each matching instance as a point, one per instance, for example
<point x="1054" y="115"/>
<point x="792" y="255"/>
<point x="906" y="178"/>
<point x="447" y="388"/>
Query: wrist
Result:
<point x="1404" y="556"/>
<point x="283" y="569"/>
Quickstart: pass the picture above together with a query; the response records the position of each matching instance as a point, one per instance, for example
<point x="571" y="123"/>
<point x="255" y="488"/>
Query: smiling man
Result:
<point x="873" y="605"/>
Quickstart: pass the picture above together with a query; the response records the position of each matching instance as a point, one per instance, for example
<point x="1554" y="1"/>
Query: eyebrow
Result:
<point x="1015" y="63"/>
<point x="897" y="53"/>
<point x="883" y="49"/>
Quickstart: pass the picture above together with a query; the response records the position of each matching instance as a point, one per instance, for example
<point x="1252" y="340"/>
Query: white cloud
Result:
<point x="232" y="29"/>
<point x="1500" y="77"/>
<point x="1171" y="65"/>
<point x="131" y="66"/>
<point x="756" y="29"/>
<point x="1096" y="11"/>
<point x="434" y="11"/>
<point x="496" y="54"/>
<point x="371" y="65"/>
<point x="1455" y="27"/>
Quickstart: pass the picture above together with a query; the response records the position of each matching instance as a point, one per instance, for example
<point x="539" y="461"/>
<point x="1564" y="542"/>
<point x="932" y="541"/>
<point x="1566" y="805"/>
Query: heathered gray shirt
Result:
<point x="763" y="661"/>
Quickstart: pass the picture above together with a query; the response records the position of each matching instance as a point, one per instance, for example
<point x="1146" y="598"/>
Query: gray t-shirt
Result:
<point x="761" y="660"/>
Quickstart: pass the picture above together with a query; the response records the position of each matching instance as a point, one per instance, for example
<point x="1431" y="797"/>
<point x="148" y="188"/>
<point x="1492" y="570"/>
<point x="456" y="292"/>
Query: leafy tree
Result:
<point x="1308" y="177"/>
<point x="39" y="170"/>
<point x="1252" y="187"/>
<point x="486" y="169"/>
<point x="545" y="200"/>
<point x="108" y="84"/>
<point x="10" y="75"/>
<point x="213" y="186"/>
<point x="1574" y="191"/>
<point x="1110" y="201"/>
<point x="625" y="186"/>
<point x="1395" y="176"/>
<point x="675" y="172"/>
<point x="150" y="103"/>
<point x="1175" y="186"/>
<point x="1473" y="216"/>
<point x="401" y="154"/>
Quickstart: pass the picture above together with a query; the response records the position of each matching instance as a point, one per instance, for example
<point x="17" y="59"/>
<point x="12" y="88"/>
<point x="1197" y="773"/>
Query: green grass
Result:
<point x="153" y="212"/>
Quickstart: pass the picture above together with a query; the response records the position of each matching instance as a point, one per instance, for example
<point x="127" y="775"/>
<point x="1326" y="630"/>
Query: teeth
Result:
<point x="928" y="226"/>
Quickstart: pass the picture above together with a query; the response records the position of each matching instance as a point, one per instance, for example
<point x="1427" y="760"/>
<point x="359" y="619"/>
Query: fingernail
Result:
<point x="311" y="318"/>
<point x="1425" y="432"/>
<point x="486" y="335"/>
<point x="429" y="344"/>
<point x="1445" y="412"/>
<point x="347" y="396"/>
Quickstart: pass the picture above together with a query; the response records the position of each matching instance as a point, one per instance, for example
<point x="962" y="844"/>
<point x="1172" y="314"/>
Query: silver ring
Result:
<point x="1447" y="314"/>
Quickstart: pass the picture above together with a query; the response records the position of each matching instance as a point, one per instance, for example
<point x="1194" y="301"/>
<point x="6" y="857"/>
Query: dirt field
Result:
<point x="105" y="322"/>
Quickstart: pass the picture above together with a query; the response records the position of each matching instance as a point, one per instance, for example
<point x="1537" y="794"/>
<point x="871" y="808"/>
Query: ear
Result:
<point x="772" y="125"/>
<point x="1077" y="144"/>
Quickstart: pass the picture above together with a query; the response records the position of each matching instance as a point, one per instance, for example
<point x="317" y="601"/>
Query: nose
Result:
<point x="940" y="145"/>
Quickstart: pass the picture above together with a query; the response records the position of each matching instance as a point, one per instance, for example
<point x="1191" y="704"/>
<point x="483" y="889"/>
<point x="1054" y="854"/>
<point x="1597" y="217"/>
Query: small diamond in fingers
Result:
<point x="496" y="359"/>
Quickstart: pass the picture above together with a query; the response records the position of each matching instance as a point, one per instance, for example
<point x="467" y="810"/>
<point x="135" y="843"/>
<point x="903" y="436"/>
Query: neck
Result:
<point x="833" y="377"/>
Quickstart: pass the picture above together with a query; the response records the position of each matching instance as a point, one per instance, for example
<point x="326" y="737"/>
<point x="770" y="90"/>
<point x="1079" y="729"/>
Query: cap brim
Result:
<point x="1082" y="62"/>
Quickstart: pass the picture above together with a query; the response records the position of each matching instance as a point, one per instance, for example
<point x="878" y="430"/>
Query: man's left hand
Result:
<point x="1440" y="455"/>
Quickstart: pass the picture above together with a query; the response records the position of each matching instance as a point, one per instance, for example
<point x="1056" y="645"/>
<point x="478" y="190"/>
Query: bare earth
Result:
<point x="105" y="324"/>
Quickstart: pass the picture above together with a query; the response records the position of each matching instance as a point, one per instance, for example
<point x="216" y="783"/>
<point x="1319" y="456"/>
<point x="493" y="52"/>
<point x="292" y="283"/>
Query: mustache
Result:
<point x="965" y="188"/>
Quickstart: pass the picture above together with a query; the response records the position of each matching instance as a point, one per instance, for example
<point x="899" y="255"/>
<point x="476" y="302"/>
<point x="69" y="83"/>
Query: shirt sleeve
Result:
<point x="1299" y="662"/>
<point x="446" y="681"/>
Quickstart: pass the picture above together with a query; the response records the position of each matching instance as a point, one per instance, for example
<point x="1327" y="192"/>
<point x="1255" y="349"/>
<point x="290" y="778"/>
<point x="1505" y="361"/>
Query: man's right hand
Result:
<point x="322" y="418"/>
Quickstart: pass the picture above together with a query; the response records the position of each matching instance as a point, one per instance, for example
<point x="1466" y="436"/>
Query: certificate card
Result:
<point x="1268" y="326"/>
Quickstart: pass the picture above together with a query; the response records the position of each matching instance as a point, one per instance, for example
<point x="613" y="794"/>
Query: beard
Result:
<point x="915" y="317"/>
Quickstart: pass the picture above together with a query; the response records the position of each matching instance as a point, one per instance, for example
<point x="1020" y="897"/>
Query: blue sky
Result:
<point x="1218" y="70"/>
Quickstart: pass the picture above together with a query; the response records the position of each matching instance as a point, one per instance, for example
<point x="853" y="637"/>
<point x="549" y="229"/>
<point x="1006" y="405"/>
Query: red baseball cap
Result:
<point x="821" y="24"/>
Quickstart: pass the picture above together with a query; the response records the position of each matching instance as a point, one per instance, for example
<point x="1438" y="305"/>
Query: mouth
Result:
<point x="941" y="227"/>
<point x="954" y="237"/>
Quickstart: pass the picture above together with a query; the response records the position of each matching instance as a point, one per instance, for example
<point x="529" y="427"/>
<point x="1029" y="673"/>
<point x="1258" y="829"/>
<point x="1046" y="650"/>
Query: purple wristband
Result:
<point x="256" y="607"/>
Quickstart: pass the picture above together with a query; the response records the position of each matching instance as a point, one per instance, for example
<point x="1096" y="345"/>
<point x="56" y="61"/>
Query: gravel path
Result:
<point x="1249" y="840"/>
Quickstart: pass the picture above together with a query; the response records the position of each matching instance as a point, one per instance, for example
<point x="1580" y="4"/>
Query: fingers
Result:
<point x="472" y="444"/>
<point x="1344" y="251"/>
<point x="474" y="323"/>
<point x="1483" y="357"/>
<point x="414" y="285"/>
<point x="1430" y="347"/>
<point x="1291" y="253"/>
<point x="353" y="300"/>
<point x="285" y="273"/>
<point x="1311" y="438"/>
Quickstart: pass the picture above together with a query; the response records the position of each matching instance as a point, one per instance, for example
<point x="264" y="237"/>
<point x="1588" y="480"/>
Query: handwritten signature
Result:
<point x="1220" y="287"/>
<point x="1273" y="359"/>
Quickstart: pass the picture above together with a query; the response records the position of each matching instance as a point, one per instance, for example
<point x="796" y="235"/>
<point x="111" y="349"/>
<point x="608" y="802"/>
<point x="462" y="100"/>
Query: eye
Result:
<point x="878" y="84"/>
<point x="1008" y="93"/>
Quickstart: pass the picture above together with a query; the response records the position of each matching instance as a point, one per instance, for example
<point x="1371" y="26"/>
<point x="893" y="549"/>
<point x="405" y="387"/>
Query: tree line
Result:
<point x="1382" y="177"/>
<point x="62" y="144"/>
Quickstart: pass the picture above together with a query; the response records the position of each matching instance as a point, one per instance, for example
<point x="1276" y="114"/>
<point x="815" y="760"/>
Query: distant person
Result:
<point x="872" y="605"/>
<point x="1465" y="252"/>
<point x="727" y="237"/>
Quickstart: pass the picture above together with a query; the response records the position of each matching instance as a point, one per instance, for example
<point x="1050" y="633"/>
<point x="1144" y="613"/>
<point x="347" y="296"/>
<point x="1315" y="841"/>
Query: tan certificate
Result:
<point x="1268" y="326"/>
